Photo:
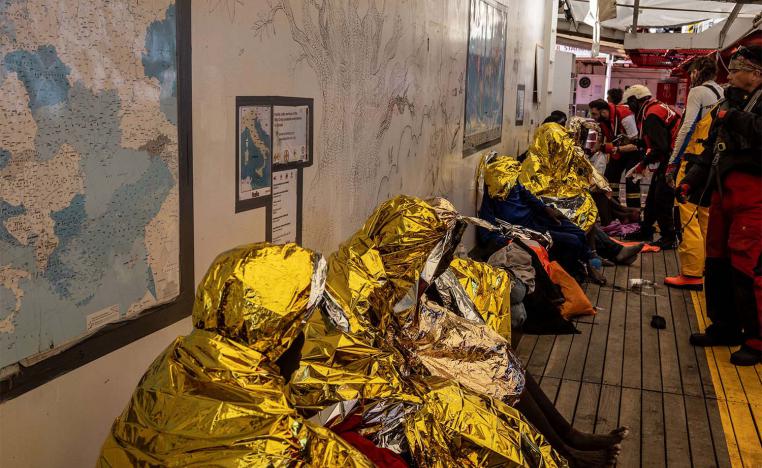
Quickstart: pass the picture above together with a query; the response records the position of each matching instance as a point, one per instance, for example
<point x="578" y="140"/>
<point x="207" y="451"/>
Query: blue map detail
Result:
<point x="159" y="61"/>
<point x="43" y="74"/>
<point x="7" y="28"/>
<point x="5" y="157"/>
<point x="101" y="258"/>
<point x="68" y="225"/>
<point x="9" y="211"/>
<point x="257" y="161"/>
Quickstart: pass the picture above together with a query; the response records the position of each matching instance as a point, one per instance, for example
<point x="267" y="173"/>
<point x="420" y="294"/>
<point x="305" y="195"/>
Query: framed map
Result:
<point x="273" y="133"/>
<point x="95" y="196"/>
<point x="485" y="75"/>
<point x="254" y="152"/>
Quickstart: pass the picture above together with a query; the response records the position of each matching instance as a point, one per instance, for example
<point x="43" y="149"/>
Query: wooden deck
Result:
<point x="685" y="406"/>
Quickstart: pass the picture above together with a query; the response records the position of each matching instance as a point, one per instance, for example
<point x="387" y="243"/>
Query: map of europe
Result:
<point x="89" y="203"/>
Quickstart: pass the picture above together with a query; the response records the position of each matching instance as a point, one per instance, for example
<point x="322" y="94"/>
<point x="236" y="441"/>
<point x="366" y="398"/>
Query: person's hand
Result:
<point x="555" y="215"/>
<point x="608" y="148"/>
<point x="682" y="192"/>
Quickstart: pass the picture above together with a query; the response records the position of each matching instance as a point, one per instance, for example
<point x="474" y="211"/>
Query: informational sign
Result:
<point x="285" y="207"/>
<point x="291" y="144"/>
<point x="254" y="152"/>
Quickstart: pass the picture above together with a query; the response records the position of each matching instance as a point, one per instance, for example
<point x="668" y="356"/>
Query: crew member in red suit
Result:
<point x="619" y="132"/>
<point x="658" y="125"/>
<point x="730" y="170"/>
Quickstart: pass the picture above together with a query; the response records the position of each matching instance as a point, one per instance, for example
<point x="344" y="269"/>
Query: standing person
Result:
<point x="619" y="129"/>
<point x="614" y="96"/>
<point x="657" y="125"/>
<point x="694" y="215"/>
<point x="731" y="170"/>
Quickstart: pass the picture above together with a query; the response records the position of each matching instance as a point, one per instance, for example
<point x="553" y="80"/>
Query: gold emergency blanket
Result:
<point x="453" y="427"/>
<point x="500" y="175"/>
<point x="215" y="397"/>
<point x="381" y="339"/>
<point x="557" y="171"/>
<point x="489" y="289"/>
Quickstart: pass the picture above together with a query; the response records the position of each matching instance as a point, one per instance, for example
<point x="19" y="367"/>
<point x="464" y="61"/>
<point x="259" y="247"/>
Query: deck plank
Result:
<point x="596" y="351"/>
<point x="607" y="417"/>
<point x="670" y="360"/>
<point x="614" y="357"/>
<point x="690" y="373"/>
<point x="566" y="401"/>
<point x="676" y="431"/>
<point x="629" y="415"/>
<point x="587" y="407"/>
<point x="526" y="347"/>
<point x="652" y="426"/>
<point x="650" y="359"/>
<point x="699" y="432"/>
<point x="539" y="359"/>
<point x="549" y="386"/>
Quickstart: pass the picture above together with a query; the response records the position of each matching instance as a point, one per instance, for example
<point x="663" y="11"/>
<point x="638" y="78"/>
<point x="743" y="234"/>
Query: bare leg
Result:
<point x="604" y="457"/>
<point x="571" y="436"/>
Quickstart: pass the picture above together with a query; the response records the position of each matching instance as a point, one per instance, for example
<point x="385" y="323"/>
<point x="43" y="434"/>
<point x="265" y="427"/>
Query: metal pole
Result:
<point x="635" y="14"/>
<point x="729" y="22"/>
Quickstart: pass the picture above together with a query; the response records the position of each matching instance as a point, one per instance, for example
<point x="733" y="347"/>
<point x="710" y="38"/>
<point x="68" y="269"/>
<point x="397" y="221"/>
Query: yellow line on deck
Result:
<point x="739" y="397"/>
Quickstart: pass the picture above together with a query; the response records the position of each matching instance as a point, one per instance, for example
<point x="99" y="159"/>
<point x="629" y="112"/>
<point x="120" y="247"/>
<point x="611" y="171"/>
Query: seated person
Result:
<point x="216" y="397"/>
<point x="507" y="200"/>
<point x="609" y="208"/>
<point x="400" y="324"/>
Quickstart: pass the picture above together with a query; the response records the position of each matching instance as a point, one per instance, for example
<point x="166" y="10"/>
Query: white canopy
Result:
<point x="663" y="13"/>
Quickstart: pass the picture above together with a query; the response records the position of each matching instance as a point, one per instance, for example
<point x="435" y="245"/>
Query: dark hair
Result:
<point x="615" y="95"/>
<point x="752" y="52"/>
<point x="706" y="68"/>
<point x="556" y="116"/>
<point x="599" y="104"/>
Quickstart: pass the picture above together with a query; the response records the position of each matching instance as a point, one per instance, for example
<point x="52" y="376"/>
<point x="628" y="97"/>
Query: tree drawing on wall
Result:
<point x="362" y="81"/>
<point x="389" y="90"/>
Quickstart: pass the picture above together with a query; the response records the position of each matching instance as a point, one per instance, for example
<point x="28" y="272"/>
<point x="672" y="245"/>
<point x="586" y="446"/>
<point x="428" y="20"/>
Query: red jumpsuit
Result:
<point x="731" y="169"/>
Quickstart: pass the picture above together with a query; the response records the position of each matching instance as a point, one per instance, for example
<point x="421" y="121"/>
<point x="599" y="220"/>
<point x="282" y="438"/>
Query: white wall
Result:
<point x="358" y="164"/>
<point x="562" y="85"/>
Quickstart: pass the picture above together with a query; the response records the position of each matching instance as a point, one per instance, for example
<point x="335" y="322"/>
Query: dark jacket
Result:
<point x="734" y="144"/>
<point x="521" y="207"/>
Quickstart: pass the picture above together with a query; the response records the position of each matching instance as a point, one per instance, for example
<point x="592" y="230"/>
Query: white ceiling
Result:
<point x="657" y="13"/>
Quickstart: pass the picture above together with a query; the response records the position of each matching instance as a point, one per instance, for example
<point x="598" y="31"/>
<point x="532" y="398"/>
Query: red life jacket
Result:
<point x="665" y="113"/>
<point x="613" y="128"/>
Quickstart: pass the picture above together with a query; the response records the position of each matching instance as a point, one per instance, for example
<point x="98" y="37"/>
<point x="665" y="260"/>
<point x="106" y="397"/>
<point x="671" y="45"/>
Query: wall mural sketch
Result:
<point x="485" y="77"/>
<point x="228" y="7"/>
<point x="386" y="95"/>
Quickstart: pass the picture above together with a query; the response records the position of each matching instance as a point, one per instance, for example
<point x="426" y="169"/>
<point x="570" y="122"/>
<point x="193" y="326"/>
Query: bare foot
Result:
<point x="585" y="441"/>
<point x="594" y="458"/>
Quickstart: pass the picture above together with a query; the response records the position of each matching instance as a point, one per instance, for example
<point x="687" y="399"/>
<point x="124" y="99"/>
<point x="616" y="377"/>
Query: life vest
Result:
<point x="700" y="134"/>
<point x="616" y="114"/>
<point x="665" y="113"/>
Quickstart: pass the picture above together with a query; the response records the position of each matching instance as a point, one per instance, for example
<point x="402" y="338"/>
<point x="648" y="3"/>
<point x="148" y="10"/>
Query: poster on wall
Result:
<point x="485" y="75"/>
<point x="291" y="143"/>
<point x="520" y="96"/>
<point x="286" y="216"/>
<point x="95" y="215"/>
<point x="254" y="152"/>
